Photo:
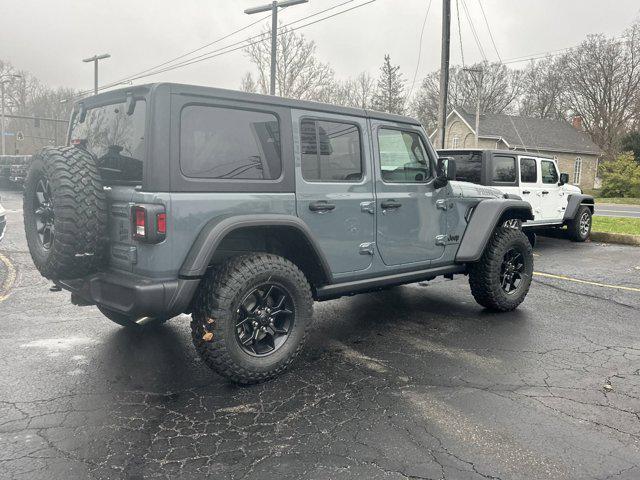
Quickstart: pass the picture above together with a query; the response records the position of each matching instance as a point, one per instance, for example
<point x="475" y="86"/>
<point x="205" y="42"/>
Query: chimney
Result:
<point x="577" y="122"/>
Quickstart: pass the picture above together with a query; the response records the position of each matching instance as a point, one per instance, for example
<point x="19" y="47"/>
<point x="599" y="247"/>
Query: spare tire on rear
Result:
<point x="65" y="213"/>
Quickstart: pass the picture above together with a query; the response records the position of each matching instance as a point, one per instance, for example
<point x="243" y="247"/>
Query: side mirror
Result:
<point x="564" y="178"/>
<point x="446" y="171"/>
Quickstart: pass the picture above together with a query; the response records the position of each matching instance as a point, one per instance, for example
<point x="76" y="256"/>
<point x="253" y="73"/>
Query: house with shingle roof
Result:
<point x="574" y="150"/>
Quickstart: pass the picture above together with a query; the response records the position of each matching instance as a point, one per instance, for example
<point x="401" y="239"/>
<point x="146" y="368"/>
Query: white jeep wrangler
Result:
<point x="534" y="178"/>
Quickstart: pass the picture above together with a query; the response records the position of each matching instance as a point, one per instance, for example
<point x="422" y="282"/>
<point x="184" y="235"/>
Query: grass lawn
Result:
<point x="629" y="226"/>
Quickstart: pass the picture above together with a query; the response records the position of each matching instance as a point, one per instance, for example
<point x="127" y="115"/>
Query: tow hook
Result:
<point x="55" y="288"/>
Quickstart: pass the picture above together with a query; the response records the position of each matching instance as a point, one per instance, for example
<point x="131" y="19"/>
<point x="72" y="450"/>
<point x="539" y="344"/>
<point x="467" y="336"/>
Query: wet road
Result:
<point x="613" y="210"/>
<point x="414" y="382"/>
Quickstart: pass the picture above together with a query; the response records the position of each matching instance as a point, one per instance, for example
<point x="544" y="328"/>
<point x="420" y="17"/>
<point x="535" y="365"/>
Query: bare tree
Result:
<point x="501" y="88"/>
<point x="602" y="82"/>
<point x="299" y="74"/>
<point x="543" y="89"/>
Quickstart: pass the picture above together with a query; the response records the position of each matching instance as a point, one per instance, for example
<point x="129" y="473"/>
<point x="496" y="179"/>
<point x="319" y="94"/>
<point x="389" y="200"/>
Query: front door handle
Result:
<point x="545" y="192"/>
<point x="321" y="206"/>
<point x="390" y="204"/>
<point x="526" y="192"/>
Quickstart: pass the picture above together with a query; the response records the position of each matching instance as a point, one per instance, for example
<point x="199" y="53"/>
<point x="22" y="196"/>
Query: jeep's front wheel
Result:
<point x="251" y="317"/>
<point x="501" y="278"/>
<point x="579" y="228"/>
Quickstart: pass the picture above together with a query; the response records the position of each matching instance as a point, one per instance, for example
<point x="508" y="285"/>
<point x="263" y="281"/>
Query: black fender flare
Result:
<point x="201" y="252"/>
<point x="573" y="203"/>
<point x="484" y="220"/>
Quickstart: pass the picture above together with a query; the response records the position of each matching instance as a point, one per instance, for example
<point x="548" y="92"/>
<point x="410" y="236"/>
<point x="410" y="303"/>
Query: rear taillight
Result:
<point x="139" y="223"/>
<point x="149" y="223"/>
<point x="161" y="223"/>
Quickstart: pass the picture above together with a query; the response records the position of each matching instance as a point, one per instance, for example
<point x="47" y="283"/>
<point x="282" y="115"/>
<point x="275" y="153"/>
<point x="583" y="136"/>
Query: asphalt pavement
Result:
<point x="414" y="382"/>
<point x="615" y="210"/>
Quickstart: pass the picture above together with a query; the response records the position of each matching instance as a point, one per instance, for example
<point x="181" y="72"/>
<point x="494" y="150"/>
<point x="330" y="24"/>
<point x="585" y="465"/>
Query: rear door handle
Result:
<point x="390" y="204"/>
<point x="321" y="206"/>
<point x="545" y="192"/>
<point x="526" y="192"/>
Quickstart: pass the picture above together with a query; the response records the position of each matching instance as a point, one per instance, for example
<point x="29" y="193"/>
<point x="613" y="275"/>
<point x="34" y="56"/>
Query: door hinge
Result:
<point x="367" y="248"/>
<point x="368" y="207"/>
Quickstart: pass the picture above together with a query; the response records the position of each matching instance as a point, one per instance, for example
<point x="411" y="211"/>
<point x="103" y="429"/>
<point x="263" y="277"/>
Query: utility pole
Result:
<point x="273" y="6"/>
<point x="478" y="82"/>
<point x="95" y="60"/>
<point x="4" y="79"/>
<point x="444" y="69"/>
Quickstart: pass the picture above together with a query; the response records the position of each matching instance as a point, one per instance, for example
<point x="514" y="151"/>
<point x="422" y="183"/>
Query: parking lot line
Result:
<point x="5" y="288"/>
<point x="587" y="282"/>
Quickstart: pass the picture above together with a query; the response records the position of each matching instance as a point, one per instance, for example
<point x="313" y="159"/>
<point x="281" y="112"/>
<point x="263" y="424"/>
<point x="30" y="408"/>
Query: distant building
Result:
<point x="576" y="153"/>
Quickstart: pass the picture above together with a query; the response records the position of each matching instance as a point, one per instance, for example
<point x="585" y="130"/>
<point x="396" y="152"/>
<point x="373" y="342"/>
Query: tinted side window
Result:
<point x="504" y="169"/>
<point x="528" y="170"/>
<point x="227" y="143"/>
<point x="403" y="157"/>
<point x="330" y="151"/>
<point x="549" y="172"/>
<point x="468" y="166"/>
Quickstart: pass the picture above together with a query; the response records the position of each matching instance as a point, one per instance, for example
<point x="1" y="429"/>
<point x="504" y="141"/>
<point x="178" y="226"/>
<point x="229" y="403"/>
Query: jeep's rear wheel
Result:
<point x="251" y="317"/>
<point x="130" y="322"/>
<point x="501" y="278"/>
<point x="580" y="227"/>
<point x="65" y="213"/>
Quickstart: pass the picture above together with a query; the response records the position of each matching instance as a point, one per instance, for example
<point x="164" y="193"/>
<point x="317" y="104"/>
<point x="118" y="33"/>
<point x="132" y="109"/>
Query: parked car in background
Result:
<point x="3" y="221"/>
<point x="13" y="168"/>
<point x="536" y="179"/>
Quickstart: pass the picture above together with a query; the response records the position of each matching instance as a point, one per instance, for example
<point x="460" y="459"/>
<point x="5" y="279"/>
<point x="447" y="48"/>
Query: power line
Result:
<point x="228" y="48"/>
<point x="415" y="74"/>
<point x="473" y="30"/>
<point x="489" y="28"/>
<point x="459" y="31"/>
<point x="242" y="45"/>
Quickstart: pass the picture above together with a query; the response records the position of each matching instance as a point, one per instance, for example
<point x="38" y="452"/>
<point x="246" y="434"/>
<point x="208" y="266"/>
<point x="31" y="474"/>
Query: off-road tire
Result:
<point x="484" y="275"/>
<point x="130" y="322"/>
<point x="79" y="208"/>
<point x="574" y="228"/>
<point x="214" y="315"/>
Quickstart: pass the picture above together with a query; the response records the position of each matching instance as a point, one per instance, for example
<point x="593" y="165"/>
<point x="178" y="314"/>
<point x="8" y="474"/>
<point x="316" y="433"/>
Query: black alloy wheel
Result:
<point x="43" y="212"/>
<point x="511" y="271"/>
<point x="265" y="318"/>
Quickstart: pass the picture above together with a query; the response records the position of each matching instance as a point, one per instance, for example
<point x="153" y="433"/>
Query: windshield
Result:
<point x="468" y="166"/>
<point x="116" y="139"/>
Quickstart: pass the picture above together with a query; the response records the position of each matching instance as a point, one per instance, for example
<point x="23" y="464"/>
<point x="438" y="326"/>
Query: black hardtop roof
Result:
<point x="490" y="150"/>
<point x="212" y="92"/>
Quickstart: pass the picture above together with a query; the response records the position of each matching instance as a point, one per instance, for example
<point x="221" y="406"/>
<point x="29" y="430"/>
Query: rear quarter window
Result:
<point x="229" y="144"/>
<point x="503" y="169"/>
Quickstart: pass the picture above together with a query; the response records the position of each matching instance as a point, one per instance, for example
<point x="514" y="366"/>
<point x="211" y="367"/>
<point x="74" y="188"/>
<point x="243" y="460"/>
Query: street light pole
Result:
<point x="3" y="81"/>
<point x="95" y="60"/>
<point x="273" y="6"/>
<point x="478" y="83"/>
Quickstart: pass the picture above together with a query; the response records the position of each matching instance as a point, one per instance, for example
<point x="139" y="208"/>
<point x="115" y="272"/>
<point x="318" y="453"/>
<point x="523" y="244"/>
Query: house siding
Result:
<point x="566" y="161"/>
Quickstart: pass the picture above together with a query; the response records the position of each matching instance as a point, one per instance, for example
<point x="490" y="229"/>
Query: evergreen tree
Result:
<point x="389" y="96"/>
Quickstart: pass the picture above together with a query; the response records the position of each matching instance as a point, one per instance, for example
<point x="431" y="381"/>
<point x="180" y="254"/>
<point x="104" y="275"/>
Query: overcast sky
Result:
<point x="49" y="38"/>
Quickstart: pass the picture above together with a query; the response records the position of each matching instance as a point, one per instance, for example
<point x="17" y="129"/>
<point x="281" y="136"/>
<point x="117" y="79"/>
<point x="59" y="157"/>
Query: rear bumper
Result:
<point x="133" y="295"/>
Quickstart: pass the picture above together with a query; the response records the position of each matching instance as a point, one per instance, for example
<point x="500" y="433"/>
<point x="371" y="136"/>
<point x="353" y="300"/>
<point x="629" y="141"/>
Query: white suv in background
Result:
<point x="534" y="178"/>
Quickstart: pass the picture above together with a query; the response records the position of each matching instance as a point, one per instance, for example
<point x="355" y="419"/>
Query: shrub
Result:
<point x="621" y="177"/>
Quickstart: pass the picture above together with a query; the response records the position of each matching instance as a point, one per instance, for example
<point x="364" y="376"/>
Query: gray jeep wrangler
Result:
<point x="243" y="209"/>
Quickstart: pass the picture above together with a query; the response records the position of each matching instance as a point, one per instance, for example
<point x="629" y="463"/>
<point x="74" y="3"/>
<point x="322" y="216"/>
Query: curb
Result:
<point x="620" y="238"/>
